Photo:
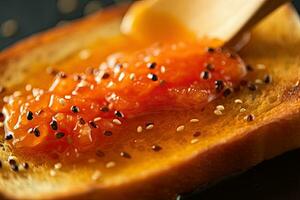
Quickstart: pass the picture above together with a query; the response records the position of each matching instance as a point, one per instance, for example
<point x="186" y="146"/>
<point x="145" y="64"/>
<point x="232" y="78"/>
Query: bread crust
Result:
<point x="274" y="132"/>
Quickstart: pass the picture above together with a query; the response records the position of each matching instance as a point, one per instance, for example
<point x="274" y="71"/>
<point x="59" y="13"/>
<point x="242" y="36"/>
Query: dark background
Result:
<point x="277" y="179"/>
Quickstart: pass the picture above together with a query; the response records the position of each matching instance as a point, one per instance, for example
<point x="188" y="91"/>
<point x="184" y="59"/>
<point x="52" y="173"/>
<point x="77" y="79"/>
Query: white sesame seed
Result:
<point x="149" y="126"/>
<point x="110" y="164"/>
<point x="57" y="166"/>
<point x="218" y="112"/>
<point x="162" y="69"/>
<point x="96" y="175"/>
<point x="97" y="119"/>
<point x="139" y="129"/>
<point x="62" y="101"/>
<point x="180" y="128"/>
<point x="242" y="110"/>
<point x="116" y="121"/>
<point x="194" y="120"/>
<point x="132" y="76"/>
<point x="52" y="172"/>
<point x="261" y="66"/>
<point x="238" y="101"/>
<point x="220" y="107"/>
<point x="17" y="94"/>
<point x="28" y="87"/>
<point x="258" y="81"/>
<point x="68" y="97"/>
<point x="195" y="140"/>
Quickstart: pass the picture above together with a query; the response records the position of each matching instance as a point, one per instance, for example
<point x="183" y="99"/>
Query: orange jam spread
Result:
<point x="81" y="111"/>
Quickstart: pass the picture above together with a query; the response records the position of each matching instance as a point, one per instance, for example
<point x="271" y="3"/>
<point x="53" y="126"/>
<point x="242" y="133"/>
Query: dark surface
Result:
<point x="277" y="179"/>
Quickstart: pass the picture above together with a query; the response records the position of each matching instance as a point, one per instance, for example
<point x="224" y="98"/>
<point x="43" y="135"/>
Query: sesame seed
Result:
<point x="238" y="101"/>
<point x="29" y="115"/>
<point x="57" y="166"/>
<point x="96" y="175"/>
<point x="258" y="81"/>
<point x="180" y="128"/>
<point x="110" y="164"/>
<point x="252" y="87"/>
<point x="195" y="140"/>
<point x="74" y="109"/>
<point x="61" y="75"/>
<point x="151" y="65"/>
<point x="52" y="172"/>
<point x="12" y="160"/>
<point x="125" y="155"/>
<point x="0" y="164"/>
<point x="100" y="153"/>
<point x="59" y="135"/>
<point x="54" y="125"/>
<point x="25" y="165"/>
<point x="119" y="114"/>
<point x="97" y="119"/>
<point x="227" y="92"/>
<point x="261" y="66"/>
<point x="152" y="77"/>
<point x="93" y="124"/>
<point x="62" y="101"/>
<point x="28" y="87"/>
<point x="14" y="167"/>
<point x="218" y="112"/>
<point x="139" y="129"/>
<point x="116" y="121"/>
<point x="210" y="50"/>
<point x="205" y="75"/>
<point x="194" y="120"/>
<point x="105" y="75"/>
<point x="249" y="118"/>
<point x="8" y="136"/>
<point x="219" y="85"/>
<point x="267" y="78"/>
<point x="220" y="107"/>
<point x="197" y="134"/>
<point x="107" y="133"/>
<point x="132" y="76"/>
<point x="104" y="109"/>
<point x="36" y="132"/>
<point x="242" y="110"/>
<point x="156" y="147"/>
<point x="149" y="126"/>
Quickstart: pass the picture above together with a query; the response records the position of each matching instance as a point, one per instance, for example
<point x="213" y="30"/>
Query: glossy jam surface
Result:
<point x="80" y="111"/>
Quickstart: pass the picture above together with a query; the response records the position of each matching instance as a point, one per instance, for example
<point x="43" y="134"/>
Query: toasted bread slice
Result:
<point x="227" y="144"/>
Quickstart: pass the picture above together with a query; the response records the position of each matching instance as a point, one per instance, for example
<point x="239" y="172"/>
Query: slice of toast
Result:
<point x="228" y="143"/>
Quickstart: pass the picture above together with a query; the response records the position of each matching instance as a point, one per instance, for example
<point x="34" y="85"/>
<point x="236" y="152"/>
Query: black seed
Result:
<point x="267" y="78"/>
<point x="25" y="165"/>
<point x="205" y="75"/>
<point x="12" y="161"/>
<point x="54" y="125"/>
<point x="227" y="92"/>
<point x="104" y="109"/>
<point x="105" y="75"/>
<point x="252" y="87"/>
<point x="249" y="68"/>
<point x="250" y="118"/>
<point x="59" y="135"/>
<point x="219" y="85"/>
<point x="151" y="65"/>
<point x="107" y="133"/>
<point x="93" y="124"/>
<point x="8" y="137"/>
<point x="100" y="153"/>
<point x="2" y="117"/>
<point x="77" y="78"/>
<point x="29" y="115"/>
<point x="74" y="109"/>
<point x="197" y="134"/>
<point x="156" y="148"/>
<point x="125" y="155"/>
<point x="210" y="50"/>
<point x="0" y="164"/>
<point x="36" y="132"/>
<point x="152" y="77"/>
<point x="81" y="121"/>
<point x="119" y="114"/>
<point x="209" y="67"/>
<point x="14" y="167"/>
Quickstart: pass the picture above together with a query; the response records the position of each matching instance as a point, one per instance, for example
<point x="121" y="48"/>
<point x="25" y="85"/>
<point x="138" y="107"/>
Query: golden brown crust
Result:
<point x="235" y="145"/>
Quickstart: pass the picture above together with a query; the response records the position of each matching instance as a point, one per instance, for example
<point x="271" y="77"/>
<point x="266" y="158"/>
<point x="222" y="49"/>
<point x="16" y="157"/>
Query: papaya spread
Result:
<point x="81" y="110"/>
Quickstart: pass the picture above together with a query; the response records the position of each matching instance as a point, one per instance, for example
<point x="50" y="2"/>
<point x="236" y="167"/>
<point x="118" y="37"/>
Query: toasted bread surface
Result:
<point x="227" y="143"/>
